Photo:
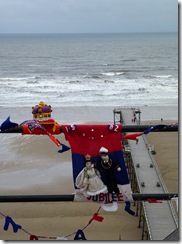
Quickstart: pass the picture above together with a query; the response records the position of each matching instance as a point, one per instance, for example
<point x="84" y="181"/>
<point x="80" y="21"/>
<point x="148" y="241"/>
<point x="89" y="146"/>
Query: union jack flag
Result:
<point x="33" y="124"/>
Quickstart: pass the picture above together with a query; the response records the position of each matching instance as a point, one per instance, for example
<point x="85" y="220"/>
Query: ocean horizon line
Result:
<point x="87" y="33"/>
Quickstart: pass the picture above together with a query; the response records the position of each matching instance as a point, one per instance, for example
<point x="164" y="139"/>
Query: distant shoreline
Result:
<point x="89" y="33"/>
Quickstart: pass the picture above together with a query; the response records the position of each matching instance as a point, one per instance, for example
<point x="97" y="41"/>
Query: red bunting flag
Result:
<point x="131" y="136"/>
<point x="153" y="200"/>
<point x="96" y="217"/>
<point x="33" y="237"/>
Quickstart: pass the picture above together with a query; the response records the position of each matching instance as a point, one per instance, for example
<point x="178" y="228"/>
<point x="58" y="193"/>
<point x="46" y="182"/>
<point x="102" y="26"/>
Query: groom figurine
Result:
<point x="107" y="167"/>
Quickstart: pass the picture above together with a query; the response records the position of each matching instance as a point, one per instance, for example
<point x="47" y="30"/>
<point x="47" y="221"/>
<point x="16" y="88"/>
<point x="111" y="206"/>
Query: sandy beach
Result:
<point x="64" y="218"/>
<point x="166" y="145"/>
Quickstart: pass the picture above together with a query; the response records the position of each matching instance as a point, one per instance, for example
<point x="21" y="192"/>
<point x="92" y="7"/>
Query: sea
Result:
<point x="121" y="69"/>
<point x="83" y="77"/>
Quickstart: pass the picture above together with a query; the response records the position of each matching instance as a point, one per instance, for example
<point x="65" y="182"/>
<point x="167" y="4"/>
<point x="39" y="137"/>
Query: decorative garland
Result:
<point x="79" y="234"/>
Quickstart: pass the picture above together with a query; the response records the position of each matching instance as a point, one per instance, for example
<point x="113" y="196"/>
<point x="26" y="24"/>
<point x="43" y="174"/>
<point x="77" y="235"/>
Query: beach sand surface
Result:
<point x="166" y="146"/>
<point x="58" y="219"/>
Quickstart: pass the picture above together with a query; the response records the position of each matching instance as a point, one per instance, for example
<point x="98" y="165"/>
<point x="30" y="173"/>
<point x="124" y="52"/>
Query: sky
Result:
<point x="88" y="16"/>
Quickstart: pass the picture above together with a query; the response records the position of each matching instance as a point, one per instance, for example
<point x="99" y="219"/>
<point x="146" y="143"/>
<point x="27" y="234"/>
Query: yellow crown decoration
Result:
<point x="41" y="111"/>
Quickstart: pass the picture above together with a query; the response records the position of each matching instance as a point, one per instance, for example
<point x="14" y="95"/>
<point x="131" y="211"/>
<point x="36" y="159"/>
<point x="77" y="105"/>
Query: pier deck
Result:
<point x="161" y="217"/>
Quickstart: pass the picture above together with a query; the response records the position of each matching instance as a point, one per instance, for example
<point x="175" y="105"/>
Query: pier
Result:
<point x="157" y="220"/>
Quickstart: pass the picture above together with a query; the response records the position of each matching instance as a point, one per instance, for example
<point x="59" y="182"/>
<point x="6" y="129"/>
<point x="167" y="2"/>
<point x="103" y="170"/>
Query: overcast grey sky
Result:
<point x="88" y="16"/>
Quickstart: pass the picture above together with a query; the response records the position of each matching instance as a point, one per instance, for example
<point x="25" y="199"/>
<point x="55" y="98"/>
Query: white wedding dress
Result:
<point x="90" y="183"/>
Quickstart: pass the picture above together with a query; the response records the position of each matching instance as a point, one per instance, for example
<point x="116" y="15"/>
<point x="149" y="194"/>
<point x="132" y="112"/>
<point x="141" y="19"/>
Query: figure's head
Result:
<point x="88" y="162"/>
<point x="104" y="154"/>
<point x="87" y="157"/>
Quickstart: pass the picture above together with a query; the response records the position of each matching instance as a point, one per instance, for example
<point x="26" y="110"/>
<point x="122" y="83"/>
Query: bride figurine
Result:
<point x="89" y="180"/>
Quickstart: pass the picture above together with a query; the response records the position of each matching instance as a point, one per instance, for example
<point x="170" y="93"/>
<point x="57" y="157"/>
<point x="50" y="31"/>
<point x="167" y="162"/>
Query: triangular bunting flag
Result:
<point x="9" y="221"/>
<point x="153" y="200"/>
<point x="127" y="208"/>
<point x="33" y="237"/>
<point x="79" y="235"/>
<point x="7" y="124"/>
<point x="131" y="136"/>
<point x="64" y="148"/>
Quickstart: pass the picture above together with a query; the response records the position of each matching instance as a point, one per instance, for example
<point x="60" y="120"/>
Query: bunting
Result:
<point x="7" y="124"/>
<point x="78" y="235"/>
<point x="134" y="136"/>
<point x="9" y="221"/>
<point x="64" y="148"/>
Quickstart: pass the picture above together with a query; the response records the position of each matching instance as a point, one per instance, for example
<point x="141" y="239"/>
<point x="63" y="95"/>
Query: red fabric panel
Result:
<point x="88" y="139"/>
